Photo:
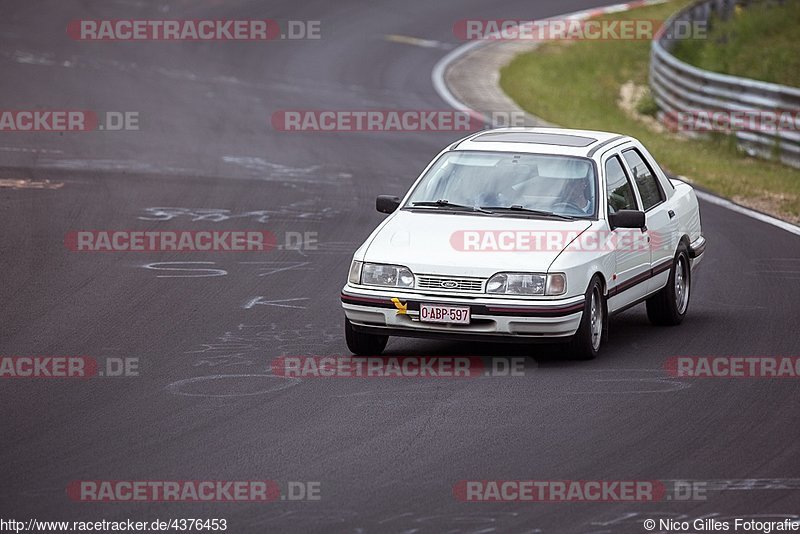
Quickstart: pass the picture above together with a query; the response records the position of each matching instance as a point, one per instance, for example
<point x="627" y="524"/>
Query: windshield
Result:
<point x="510" y="183"/>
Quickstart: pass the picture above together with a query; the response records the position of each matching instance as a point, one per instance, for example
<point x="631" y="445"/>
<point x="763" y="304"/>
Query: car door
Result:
<point x="660" y="219"/>
<point x="632" y="254"/>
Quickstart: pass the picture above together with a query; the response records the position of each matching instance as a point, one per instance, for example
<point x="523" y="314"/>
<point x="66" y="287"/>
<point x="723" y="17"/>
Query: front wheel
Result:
<point x="592" y="331"/>
<point x="362" y="344"/>
<point x="668" y="307"/>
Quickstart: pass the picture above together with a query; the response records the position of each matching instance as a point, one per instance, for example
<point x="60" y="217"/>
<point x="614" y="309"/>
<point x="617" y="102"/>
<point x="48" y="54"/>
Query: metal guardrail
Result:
<point x="678" y="87"/>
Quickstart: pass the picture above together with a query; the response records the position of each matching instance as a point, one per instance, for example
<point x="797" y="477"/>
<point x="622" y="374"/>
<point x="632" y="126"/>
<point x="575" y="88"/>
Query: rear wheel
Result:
<point x="362" y="344"/>
<point x="586" y="342"/>
<point x="668" y="307"/>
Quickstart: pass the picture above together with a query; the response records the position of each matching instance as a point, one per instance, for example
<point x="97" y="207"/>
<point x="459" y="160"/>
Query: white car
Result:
<point x="526" y="234"/>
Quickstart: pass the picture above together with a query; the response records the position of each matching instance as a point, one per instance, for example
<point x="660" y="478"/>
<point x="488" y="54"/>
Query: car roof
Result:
<point x="557" y="141"/>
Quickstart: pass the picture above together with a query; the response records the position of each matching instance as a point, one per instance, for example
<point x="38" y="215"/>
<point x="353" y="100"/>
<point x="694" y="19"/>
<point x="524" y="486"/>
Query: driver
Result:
<point x="578" y="193"/>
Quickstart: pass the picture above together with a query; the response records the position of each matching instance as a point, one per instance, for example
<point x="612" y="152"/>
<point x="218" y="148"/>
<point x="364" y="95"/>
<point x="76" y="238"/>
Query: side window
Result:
<point x="646" y="181"/>
<point x="618" y="188"/>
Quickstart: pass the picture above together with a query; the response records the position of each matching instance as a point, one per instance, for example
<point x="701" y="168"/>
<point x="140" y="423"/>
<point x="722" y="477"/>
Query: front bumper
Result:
<point x="492" y="319"/>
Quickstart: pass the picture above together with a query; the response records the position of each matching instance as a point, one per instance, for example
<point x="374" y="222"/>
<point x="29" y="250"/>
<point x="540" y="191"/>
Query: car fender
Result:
<point x="580" y="262"/>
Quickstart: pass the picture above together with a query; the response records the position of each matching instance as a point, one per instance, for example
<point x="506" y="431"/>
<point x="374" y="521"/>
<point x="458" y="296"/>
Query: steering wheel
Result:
<point x="491" y="199"/>
<point x="569" y="207"/>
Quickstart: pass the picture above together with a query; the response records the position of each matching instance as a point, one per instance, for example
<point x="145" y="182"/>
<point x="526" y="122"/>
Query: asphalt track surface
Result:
<point x="387" y="452"/>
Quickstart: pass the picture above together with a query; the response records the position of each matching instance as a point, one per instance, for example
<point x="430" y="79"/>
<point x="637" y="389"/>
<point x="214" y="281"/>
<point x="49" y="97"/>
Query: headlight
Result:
<point x="527" y="284"/>
<point x="376" y="274"/>
<point x="355" y="272"/>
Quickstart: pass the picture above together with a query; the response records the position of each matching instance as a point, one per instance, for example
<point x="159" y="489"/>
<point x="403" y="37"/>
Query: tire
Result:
<point x="593" y="330"/>
<point x="362" y="344"/>
<point x="668" y="307"/>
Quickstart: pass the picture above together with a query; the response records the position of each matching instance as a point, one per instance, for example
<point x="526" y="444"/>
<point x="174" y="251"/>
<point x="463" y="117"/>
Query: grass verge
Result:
<point x="736" y="46"/>
<point x="578" y="84"/>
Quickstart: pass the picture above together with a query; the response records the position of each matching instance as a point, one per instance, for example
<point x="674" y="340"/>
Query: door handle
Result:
<point x="671" y="214"/>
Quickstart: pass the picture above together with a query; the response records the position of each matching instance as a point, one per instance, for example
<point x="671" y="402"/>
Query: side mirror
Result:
<point x="387" y="203"/>
<point x="627" y="219"/>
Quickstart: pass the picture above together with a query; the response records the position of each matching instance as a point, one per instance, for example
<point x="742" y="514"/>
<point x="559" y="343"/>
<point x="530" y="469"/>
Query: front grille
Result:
<point x="444" y="283"/>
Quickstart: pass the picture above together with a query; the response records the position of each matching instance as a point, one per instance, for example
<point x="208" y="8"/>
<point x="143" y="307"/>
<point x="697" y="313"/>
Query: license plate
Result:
<point x="436" y="313"/>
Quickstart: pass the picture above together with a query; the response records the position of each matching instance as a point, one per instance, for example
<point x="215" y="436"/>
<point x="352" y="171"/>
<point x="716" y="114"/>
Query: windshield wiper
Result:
<point x="447" y="204"/>
<point x="519" y="209"/>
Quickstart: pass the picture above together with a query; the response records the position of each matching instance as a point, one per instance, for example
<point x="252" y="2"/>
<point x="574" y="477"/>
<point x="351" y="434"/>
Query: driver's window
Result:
<point x="618" y="188"/>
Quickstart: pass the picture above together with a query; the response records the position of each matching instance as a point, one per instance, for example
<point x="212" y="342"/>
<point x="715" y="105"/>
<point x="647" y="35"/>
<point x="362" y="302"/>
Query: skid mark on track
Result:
<point x="273" y="267"/>
<point x="193" y="269"/>
<point x="172" y="266"/>
<point x="238" y="385"/>
<point x="746" y="484"/>
<point x="653" y="381"/>
<point x="29" y="150"/>
<point x="30" y="184"/>
<point x="250" y="346"/>
<point x="111" y="165"/>
<point x="302" y="210"/>
<point x="288" y="84"/>
<point x="786" y="268"/>
<point x="26" y="57"/>
<point x="268" y="170"/>
<point x="280" y="303"/>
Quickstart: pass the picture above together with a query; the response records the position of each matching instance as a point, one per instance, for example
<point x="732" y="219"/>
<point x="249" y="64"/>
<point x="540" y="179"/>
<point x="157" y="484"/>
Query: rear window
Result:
<point x="618" y="188"/>
<point x="645" y="179"/>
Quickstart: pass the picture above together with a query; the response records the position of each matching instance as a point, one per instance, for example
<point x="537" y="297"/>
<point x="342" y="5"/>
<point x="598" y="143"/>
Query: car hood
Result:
<point x="457" y="244"/>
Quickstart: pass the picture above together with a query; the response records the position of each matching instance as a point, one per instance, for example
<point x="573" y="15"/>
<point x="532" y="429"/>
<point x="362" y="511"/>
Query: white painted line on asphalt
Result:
<point x="439" y="70"/>
<point x="416" y="41"/>
<point x="438" y="76"/>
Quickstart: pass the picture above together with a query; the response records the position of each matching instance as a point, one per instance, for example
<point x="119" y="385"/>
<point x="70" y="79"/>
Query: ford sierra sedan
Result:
<point x="522" y="235"/>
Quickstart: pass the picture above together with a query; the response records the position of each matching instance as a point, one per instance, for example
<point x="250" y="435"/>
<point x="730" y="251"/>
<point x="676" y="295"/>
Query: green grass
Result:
<point x="577" y="85"/>
<point x="647" y="105"/>
<point x="738" y="46"/>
